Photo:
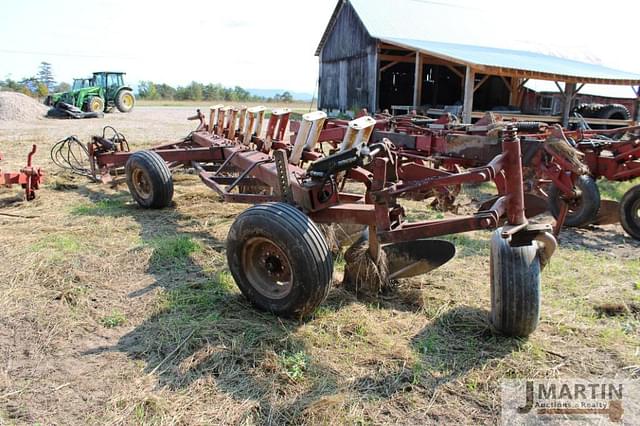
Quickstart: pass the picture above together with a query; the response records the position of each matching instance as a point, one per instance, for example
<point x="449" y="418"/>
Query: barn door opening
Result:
<point x="396" y="86"/>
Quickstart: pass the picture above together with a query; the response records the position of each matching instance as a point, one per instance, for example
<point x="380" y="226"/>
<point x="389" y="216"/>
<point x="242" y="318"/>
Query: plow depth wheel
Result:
<point x="515" y="287"/>
<point x="279" y="259"/>
<point x="630" y="212"/>
<point x="149" y="180"/>
<point x="584" y="208"/>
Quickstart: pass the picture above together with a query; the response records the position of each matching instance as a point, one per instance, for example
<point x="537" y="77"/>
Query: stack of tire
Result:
<point x="604" y="111"/>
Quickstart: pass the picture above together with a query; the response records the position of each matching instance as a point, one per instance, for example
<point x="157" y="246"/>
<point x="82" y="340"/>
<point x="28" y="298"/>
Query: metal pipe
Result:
<point x="513" y="174"/>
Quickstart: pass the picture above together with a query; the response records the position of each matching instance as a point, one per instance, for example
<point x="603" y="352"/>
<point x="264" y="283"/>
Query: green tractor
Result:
<point x="102" y="92"/>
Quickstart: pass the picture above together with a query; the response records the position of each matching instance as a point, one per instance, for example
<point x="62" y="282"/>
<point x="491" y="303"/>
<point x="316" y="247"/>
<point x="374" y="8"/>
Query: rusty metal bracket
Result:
<point x="246" y="172"/>
<point x="284" y="182"/>
<point x="225" y="163"/>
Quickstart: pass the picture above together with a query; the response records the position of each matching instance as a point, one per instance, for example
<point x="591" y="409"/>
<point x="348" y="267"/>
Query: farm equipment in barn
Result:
<point x="276" y="250"/>
<point x="29" y="177"/>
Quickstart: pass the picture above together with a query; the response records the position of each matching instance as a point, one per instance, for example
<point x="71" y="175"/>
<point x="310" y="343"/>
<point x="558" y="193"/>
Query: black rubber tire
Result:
<point x="588" y="207"/>
<point x="157" y="176"/>
<point x="94" y="104"/>
<point x="589" y="110"/>
<point x="515" y="287"/>
<point x="614" y="111"/>
<point x="630" y="212"/>
<point x="57" y="113"/>
<point x="304" y="248"/>
<point x="121" y="104"/>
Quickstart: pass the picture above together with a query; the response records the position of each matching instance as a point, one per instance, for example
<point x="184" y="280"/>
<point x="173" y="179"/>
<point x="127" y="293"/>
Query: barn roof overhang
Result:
<point x="517" y="63"/>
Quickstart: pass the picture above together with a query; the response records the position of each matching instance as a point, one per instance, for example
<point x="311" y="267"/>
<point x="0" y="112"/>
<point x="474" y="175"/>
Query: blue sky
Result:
<point x="271" y="44"/>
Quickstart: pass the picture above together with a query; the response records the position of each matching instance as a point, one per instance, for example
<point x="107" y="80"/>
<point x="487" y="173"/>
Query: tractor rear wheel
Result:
<point x="584" y="208"/>
<point x="630" y="212"/>
<point x="125" y="101"/>
<point x="279" y="259"/>
<point x="149" y="180"/>
<point x="515" y="287"/>
<point x="94" y="104"/>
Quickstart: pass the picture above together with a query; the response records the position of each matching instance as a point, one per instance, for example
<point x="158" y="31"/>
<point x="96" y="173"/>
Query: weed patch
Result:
<point x="115" y="319"/>
<point x="106" y="207"/>
<point x="173" y="249"/>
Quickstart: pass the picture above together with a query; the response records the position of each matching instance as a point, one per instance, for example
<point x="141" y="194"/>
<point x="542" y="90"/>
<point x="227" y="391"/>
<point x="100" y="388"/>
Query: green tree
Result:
<point x="11" y="85"/>
<point x="30" y="86"/>
<point x="41" y="90"/>
<point x="62" y="87"/>
<point x="286" y="97"/>
<point x="148" y="90"/>
<point x="166" y="92"/>
<point x="196" y="91"/>
<point x="45" y="76"/>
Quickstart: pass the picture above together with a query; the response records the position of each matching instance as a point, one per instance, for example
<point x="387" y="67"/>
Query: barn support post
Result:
<point x="417" y="82"/>
<point x="469" y="81"/>
<point x="373" y="64"/>
<point x="319" y="84"/>
<point x="514" y="83"/>
<point x="636" y="116"/>
<point x="569" y="93"/>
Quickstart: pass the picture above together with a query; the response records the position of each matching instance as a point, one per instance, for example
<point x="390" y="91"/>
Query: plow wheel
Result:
<point x="583" y="208"/>
<point x="515" y="287"/>
<point x="279" y="259"/>
<point x="630" y="212"/>
<point x="149" y="180"/>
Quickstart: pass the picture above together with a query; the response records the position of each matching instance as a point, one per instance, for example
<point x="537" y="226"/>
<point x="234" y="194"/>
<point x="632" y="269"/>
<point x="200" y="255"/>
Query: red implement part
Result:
<point x="249" y="173"/>
<point x="28" y="177"/>
<point x="308" y="182"/>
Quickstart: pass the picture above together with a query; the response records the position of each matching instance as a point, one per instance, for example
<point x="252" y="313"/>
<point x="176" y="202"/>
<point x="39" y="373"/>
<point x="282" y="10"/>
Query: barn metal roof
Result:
<point x="410" y="24"/>
<point x="527" y="64"/>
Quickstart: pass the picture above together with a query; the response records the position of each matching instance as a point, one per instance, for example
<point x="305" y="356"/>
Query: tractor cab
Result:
<point x="81" y="83"/>
<point x="115" y="91"/>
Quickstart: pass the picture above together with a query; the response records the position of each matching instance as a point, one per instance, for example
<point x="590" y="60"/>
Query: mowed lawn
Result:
<point x="110" y="314"/>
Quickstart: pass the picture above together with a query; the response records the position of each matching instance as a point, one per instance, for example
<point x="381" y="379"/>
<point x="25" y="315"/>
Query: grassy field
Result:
<point x="111" y="314"/>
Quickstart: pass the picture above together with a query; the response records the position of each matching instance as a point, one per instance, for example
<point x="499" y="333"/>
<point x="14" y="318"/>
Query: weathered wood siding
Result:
<point x="348" y="65"/>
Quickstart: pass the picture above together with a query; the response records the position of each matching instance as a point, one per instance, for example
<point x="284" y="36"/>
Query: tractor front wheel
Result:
<point x="125" y="101"/>
<point x="515" y="287"/>
<point x="279" y="259"/>
<point x="95" y="104"/>
<point x="630" y="212"/>
<point x="149" y="180"/>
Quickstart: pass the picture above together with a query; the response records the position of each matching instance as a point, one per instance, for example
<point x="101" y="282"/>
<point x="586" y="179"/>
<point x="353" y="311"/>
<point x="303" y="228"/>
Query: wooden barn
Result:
<point x="375" y="54"/>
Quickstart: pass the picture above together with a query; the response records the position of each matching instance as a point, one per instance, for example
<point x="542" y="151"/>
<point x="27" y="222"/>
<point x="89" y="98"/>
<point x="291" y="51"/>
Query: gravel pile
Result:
<point x="19" y="107"/>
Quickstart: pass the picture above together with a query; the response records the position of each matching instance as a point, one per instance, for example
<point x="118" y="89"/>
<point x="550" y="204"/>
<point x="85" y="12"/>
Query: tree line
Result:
<point x="43" y="83"/>
<point x="38" y="85"/>
<point x="196" y="91"/>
